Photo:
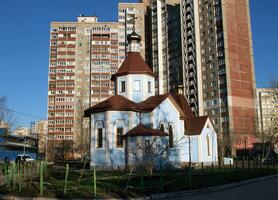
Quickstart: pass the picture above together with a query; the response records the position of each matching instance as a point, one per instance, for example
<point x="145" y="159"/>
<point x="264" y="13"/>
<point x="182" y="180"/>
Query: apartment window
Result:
<point x="210" y="39"/>
<point x="209" y="22"/>
<point x="212" y="75"/>
<point x="210" y="31"/>
<point x="119" y="139"/>
<point x="122" y="86"/>
<point x="209" y="13"/>
<point x="149" y="87"/>
<point x="99" y="138"/>
<point x="207" y="104"/>
<point x="210" y="49"/>
<point x="213" y="84"/>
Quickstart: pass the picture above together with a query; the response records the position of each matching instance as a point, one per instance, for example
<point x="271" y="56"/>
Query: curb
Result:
<point x="210" y="189"/>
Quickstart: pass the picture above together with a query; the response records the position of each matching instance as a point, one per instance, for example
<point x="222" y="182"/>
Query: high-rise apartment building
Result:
<point x="131" y="15"/>
<point x="166" y="44"/>
<point x="83" y="55"/>
<point x="148" y="31"/>
<point x="217" y="69"/>
<point x="267" y="110"/>
<point x="39" y="130"/>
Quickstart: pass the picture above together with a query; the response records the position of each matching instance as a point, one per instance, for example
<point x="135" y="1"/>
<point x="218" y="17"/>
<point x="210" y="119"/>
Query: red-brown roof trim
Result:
<point x="133" y="64"/>
<point x="142" y="130"/>
<point x="195" y="125"/>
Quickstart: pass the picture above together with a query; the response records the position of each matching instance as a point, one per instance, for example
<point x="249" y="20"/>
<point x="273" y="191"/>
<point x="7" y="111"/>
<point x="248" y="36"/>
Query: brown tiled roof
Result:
<point x="195" y="125"/>
<point x="142" y="130"/>
<point x="133" y="64"/>
<point x="116" y="102"/>
<point x="152" y="102"/>
<point x="181" y="101"/>
<point x="120" y="103"/>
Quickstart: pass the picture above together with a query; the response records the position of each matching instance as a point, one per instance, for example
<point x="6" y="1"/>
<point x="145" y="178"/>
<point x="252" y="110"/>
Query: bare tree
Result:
<point x="82" y="133"/>
<point x="148" y="152"/>
<point x="225" y="142"/>
<point x="6" y="116"/>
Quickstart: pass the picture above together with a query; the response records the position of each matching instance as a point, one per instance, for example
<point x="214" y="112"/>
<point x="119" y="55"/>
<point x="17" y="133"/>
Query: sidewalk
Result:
<point x="210" y="189"/>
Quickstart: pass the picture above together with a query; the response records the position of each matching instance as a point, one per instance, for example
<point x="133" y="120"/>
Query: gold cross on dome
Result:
<point x="132" y="20"/>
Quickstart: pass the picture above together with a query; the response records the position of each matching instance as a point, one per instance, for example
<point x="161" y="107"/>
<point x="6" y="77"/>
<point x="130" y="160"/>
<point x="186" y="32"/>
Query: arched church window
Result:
<point x="208" y="146"/>
<point x="119" y="128"/>
<point x="99" y="131"/>
<point x="122" y="86"/>
<point x="149" y="87"/>
<point x="99" y="138"/>
<point x="171" y="137"/>
<point x="161" y="127"/>
<point x="119" y="139"/>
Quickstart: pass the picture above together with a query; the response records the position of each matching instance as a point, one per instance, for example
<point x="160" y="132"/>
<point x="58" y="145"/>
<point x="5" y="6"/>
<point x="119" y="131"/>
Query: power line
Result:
<point x="21" y="113"/>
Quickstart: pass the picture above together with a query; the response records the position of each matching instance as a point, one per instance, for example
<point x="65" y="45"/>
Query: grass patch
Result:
<point x="117" y="184"/>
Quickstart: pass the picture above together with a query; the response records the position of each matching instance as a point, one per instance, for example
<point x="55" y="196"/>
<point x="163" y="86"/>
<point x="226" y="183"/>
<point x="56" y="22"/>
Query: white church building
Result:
<point x="136" y="126"/>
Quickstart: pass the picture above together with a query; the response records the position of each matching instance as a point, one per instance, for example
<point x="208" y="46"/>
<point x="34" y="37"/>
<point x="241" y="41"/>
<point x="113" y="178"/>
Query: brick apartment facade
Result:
<point x="83" y="55"/>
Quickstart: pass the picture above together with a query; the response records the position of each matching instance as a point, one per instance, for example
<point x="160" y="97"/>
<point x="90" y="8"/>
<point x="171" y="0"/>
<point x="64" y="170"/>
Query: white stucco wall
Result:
<point x="208" y="131"/>
<point x="168" y="114"/>
<point x="131" y="92"/>
<point x="109" y="155"/>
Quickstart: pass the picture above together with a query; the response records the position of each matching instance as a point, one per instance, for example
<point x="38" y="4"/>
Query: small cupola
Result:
<point x="134" y="42"/>
<point x="134" y="79"/>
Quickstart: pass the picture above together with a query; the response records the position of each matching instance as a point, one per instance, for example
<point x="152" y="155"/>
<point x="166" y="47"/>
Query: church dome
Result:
<point x="133" y="37"/>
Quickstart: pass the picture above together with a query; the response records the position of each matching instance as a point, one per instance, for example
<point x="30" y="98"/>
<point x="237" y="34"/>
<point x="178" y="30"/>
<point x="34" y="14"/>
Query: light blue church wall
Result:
<point x="119" y="85"/>
<point x="194" y="148"/>
<point x="137" y="93"/>
<point x="97" y="155"/>
<point x="167" y="114"/>
<point x="145" y="119"/>
<point x="208" y="133"/>
<point x="136" y="87"/>
<point x="109" y="155"/>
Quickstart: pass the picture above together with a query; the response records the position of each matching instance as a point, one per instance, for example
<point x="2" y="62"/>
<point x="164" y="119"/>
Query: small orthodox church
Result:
<point x="136" y="127"/>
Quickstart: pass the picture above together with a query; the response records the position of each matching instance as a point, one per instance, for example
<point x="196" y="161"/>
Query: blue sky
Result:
<point x="24" y="45"/>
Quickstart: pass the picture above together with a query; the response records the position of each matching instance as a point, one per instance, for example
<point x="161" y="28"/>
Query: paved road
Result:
<point x="263" y="190"/>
